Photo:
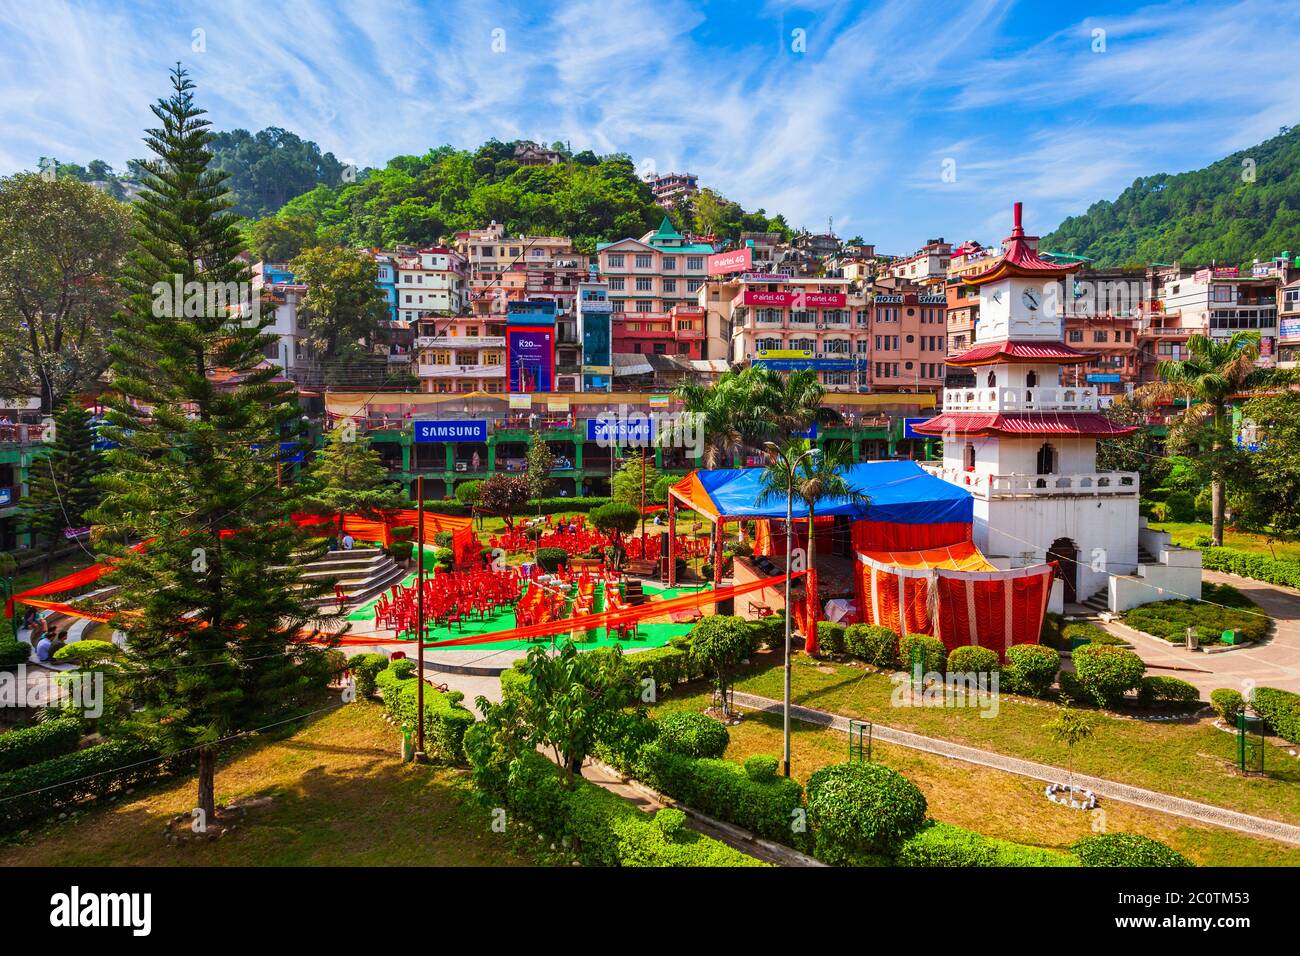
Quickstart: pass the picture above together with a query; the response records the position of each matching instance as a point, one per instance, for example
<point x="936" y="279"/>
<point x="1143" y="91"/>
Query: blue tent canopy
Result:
<point x="900" y="492"/>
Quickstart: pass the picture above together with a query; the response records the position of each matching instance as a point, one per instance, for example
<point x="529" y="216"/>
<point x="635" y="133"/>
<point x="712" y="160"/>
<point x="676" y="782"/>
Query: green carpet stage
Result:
<point x="654" y="634"/>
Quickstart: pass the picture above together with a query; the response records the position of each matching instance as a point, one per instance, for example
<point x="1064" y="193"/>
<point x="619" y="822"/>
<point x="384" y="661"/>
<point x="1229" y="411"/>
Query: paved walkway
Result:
<point x="1149" y="799"/>
<point x="1274" y="663"/>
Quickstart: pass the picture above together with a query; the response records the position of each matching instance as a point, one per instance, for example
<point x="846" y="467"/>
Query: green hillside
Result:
<point x="1214" y="213"/>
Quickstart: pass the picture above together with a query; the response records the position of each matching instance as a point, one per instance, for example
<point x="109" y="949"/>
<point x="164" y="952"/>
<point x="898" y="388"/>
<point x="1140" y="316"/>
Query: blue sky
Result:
<point x="856" y="125"/>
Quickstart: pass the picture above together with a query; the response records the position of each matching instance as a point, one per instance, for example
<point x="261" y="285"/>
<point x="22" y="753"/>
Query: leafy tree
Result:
<point x="283" y="238"/>
<point x="342" y="304"/>
<point x="269" y="168"/>
<point x="1272" y="490"/>
<point x="215" y="601"/>
<point x="627" y="484"/>
<point x="62" y="485"/>
<point x="62" y="246"/>
<point x="540" y="465"/>
<point x="718" y="645"/>
<point x="504" y="496"/>
<point x="815" y="475"/>
<point x="566" y="704"/>
<point x="1140" y="452"/>
<point x="1214" y="371"/>
<point x="348" y="476"/>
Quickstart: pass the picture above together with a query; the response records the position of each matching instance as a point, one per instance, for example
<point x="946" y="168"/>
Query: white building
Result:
<point x="1025" y="445"/>
<point x="432" y="281"/>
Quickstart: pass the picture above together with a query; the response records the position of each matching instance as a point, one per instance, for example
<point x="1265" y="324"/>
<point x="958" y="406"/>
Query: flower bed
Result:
<point x="1222" y="608"/>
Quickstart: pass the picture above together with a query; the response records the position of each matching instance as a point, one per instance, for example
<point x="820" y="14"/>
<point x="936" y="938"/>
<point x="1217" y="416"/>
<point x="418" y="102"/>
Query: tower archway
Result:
<point x="1066" y="555"/>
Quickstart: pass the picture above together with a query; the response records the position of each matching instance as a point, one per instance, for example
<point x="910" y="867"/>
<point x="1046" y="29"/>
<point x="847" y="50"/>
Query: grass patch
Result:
<point x="1193" y="761"/>
<point x="991" y="802"/>
<point x="339" y="797"/>
<point x="1221" y="608"/>
<point x="1185" y="533"/>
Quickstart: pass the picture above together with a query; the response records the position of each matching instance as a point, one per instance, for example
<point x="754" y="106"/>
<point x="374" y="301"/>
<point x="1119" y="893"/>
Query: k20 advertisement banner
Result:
<point x="798" y="300"/>
<point x="531" y="362"/>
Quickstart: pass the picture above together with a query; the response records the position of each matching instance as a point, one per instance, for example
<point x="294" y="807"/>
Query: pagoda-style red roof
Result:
<point x="1020" y="259"/>
<point x="1012" y="352"/>
<point x="1018" y="424"/>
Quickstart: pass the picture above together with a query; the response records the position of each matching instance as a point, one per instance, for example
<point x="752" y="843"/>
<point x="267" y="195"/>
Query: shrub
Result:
<point x="43" y="741"/>
<point x="1280" y="710"/>
<point x="933" y="653"/>
<point x="874" y="644"/>
<point x="1227" y="703"/>
<point x="551" y="560"/>
<point x="830" y="638"/>
<point x="1250" y="565"/>
<point x="691" y="734"/>
<point x="1166" y="690"/>
<point x="87" y="653"/>
<point x="973" y="660"/>
<point x="941" y="844"/>
<point x="402" y="668"/>
<point x="1204" y="506"/>
<point x="860" y="811"/>
<point x="467" y="492"/>
<point x="761" y="768"/>
<point x="1126" y="849"/>
<point x="403" y="532"/>
<point x="725" y="790"/>
<point x="364" y="667"/>
<point x="1089" y="633"/>
<point x="617" y="517"/>
<point x="1171" y="619"/>
<point x="444" y="558"/>
<point x="670" y="821"/>
<point x="13" y="653"/>
<point x="443" y="539"/>
<point x="400" y="551"/>
<point x="769" y="631"/>
<point x="620" y="745"/>
<point x="445" y="719"/>
<point x="1030" y="669"/>
<point x="1107" y="673"/>
<point x="1180" y="506"/>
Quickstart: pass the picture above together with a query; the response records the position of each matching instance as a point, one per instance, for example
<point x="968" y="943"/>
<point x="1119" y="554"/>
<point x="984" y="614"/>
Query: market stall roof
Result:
<point x="900" y="492"/>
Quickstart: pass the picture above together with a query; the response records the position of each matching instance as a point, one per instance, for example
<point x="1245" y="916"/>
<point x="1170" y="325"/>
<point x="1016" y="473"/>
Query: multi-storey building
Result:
<point x="20" y="446"/>
<point x="461" y="354"/>
<point x="503" y="269"/>
<point x="1288" y="327"/>
<point x="672" y="188"/>
<point x="908" y="338"/>
<point x="963" y="299"/>
<point x="386" y="279"/>
<point x="276" y="288"/>
<point x="1218" y="301"/>
<point x="926" y="266"/>
<point x="430" y="282"/>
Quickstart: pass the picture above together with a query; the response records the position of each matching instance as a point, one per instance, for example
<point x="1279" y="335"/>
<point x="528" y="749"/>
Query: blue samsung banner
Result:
<point x="622" y="431"/>
<point x="432" y="430"/>
<point x="907" y="428"/>
<point x="1099" y="377"/>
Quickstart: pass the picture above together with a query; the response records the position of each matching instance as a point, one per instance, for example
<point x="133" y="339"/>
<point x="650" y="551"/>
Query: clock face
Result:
<point x="1030" y="298"/>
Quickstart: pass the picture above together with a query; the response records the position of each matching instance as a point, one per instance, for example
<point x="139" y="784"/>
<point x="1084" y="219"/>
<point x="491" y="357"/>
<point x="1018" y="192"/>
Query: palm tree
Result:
<point x="815" y="475"/>
<point x="790" y="404"/>
<point x="1214" y="371"/>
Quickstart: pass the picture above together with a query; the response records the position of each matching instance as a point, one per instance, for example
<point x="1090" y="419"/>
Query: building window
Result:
<point x="1076" y="335"/>
<point x="693" y="285"/>
<point x="644" y="262"/>
<point x="616" y="283"/>
<point x="670" y="285"/>
<point x="694" y="263"/>
<point x="644" y="285"/>
<point x="968" y="455"/>
<point x="645" y="305"/>
<point x="615" y="261"/>
<point x="1047" y="459"/>
<point x="670" y="262"/>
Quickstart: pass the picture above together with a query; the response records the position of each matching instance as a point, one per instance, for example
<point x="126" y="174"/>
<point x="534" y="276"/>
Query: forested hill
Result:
<point x="424" y="199"/>
<point x="1216" y="213"/>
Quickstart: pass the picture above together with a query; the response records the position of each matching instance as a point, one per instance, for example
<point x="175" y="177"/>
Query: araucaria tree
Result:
<point x="62" y="487"/>
<point x="348" y="476"/>
<point x="214" y="601"/>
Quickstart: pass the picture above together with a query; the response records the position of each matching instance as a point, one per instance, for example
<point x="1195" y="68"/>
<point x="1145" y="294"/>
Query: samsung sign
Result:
<point x="633" y="430"/>
<point x="435" y="431"/>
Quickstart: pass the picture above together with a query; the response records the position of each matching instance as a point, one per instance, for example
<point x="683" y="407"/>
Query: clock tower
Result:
<point x="1024" y="442"/>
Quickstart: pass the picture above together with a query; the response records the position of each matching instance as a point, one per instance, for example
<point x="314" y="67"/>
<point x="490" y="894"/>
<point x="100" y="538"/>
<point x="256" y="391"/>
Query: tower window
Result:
<point x="1047" y="459"/>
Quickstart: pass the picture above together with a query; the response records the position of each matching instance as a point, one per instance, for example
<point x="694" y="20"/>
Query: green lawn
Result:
<point x="339" y="797"/>
<point x="1194" y="761"/>
<point x="992" y="802"/>
<point x="1185" y="533"/>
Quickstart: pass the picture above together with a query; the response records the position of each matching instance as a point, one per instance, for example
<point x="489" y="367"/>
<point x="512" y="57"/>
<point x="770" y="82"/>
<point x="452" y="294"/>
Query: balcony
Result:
<point x="1039" y="486"/>
<point x="20" y="434"/>
<point x="460" y="342"/>
<point x="462" y="371"/>
<point x="1039" y="398"/>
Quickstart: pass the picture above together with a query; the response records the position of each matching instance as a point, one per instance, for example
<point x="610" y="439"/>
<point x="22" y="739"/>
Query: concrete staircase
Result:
<point x="362" y="573"/>
<point x="1097" y="602"/>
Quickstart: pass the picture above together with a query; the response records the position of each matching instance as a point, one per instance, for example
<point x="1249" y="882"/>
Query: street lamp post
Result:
<point x="775" y="450"/>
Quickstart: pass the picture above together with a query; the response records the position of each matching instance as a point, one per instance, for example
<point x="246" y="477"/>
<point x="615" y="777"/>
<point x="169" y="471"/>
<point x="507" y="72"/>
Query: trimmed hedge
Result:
<point x="691" y="734"/>
<point x="43" y="741"/>
<point x="1030" y="669"/>
<point x="1280" y="710"/>
<point x="973" y="660"/>
<point x="1126" y="849"/>
<point x="87" y="653"/>
<point x="1166" y="690"/>
<point x="935" y="654"/>
<point x="551" y="560"/>
<point x="1107" y="673"/>
<point x="830" y="637"/>
<point x="1249" y="565"/>
<point x="13" y="652"/>
<point x="1090" y="633"/>
<point x="1227" y="703"/>
<point x="874" y="644"/>
<point x="364" y="667"/>
<point x="59" y="784"/>
<point x="862" y="811"/>
<point x="941" y="844"/>
<point x="726" y="790"/>
<point x="445" y="719"/>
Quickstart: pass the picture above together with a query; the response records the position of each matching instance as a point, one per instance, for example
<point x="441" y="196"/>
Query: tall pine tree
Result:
<point x="347" y="476"/>
<point x="62" y="490"/>
<point x="213" y="601"/>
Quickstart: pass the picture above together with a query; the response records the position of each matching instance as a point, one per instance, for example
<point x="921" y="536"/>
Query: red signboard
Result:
<point x="797" y="300"/>
<point x="738" y="260"/>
